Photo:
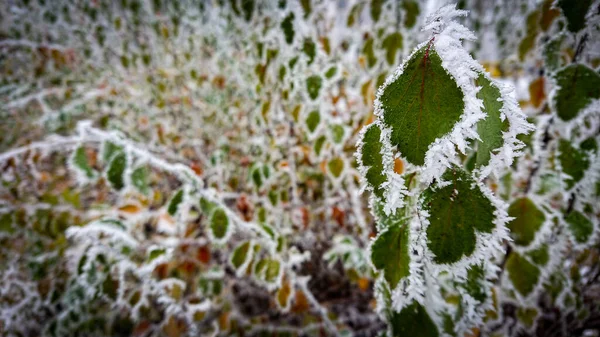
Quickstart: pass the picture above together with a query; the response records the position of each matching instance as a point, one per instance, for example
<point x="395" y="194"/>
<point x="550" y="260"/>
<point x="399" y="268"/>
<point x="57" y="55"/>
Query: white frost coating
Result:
<point x="503" y="157"/>
<point x="241" y="270"/>
<point x="93" y="230"/>
<point x="394" y="188"/>
<point x="413" y="287"/>
<point x="459" y="64"/>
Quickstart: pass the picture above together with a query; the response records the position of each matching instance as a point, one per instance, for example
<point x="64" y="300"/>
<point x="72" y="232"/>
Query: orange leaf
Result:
<point x="363" y="283"/>
<point x="300" y="302"/>
<point x="398" y="166"/>
<point x="536" y="92"/>
<point x="130" y="208"/>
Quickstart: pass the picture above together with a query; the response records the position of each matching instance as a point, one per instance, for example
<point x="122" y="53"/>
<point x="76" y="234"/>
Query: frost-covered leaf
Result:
<point x="139" y="179"/>
<point x="490" y="129"/>
<point x="540" y="255"/>
<point x="527" y="316"/>
<point x="240" y="255"/>
<point x="581" y="227"/>
<point x="336" y="166"/>
<point x="528" y="220"/>
<point x="552" y="53"/>
<point x="456" y="211"/>
<point x="116" y="170"/>
<point x="156" y="252"/>
<point x="312" y="120"/>
<point x="421" y="105"/>
<point x="411" y="11"/>
<point x="337" y="133"/>
<point x="413" y="320"/>
<point x="577" y="86"/>
<point x="474" y="283"/>
<point x="392" y="44"/>
<point x="574" y="162"/>
<point x="313" y="86"/>
<point x="80" y="161"/>
<point x="368" y="50"/>
<point x="371" y="158"/>
<point x="267" y="269"/>
<point x="310" y="49"/>
<point x="389" y="253"/>
<point x="257" y="177"/>
<point x="575" y="12"/>
<point x="219" y="223"/>
<point x="522" y="273"/>
<point x="109" y="150"/>
<point x="319" y="145"/>
<point x="284" y="295"/>
<point x="175" y="202"/>
<point x="375" y="9"/>
<point x="207" y="206"/>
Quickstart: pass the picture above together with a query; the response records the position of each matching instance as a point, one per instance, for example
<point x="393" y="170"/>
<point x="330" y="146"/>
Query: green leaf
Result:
<point x="267" y="269"/>
<point x="272" y="270"/>
<point x="376" y="7"/>
<point x="412" y="11"/>
<point x="473" y="285"/>
<point x="109" y="151"/>
<point x="527" y="316"/>
<point x="257" y="177"/>
<point x="522" y="273"/>
<point x="116" y="170"/>
<point x="154" y="253"/>
<point x="336" y="166"/>
<point x="528" y="220"/>
<point x="80" y="160"/>
<point x="575" y="12"/>
<point x="207" y="206"/>
<point x="578" y="85"/>
<point x="532" y="29"/>
<point x="456" y="212"/>
<point x="287" y="25"/>
<point x="581" y="227"/>
<point x="369" y="53"/>
<point x="551" y="53"/>
<point x="319" y="145"/>
<point x="490" y="129"/>
<point x="219" y="223"/>
<point x="6" y="223"/>
<point x="330" y="72"/>
<point x="313" y="86"/>
<point x="354" y="13"/>
<point x="248" y="8"/>
<point x="421" y="105"/>
<point x="310" y="49"/>
<point x="389" y="253"/>
<point x="313" y="120"/>
<point x="589" y="144"/>
<point x="392" y="43"/>
<point x="306" y="7"/>
<point x="337" y="133"/>
<point x="413" y="320"/>
<point x="139" y="179"/>
<point x="573" y="162"/>
<point x="175" y="201"/>
<point x="240" y="254"/>
<point x="539" y="255"/>
<point x="371" y="157"/>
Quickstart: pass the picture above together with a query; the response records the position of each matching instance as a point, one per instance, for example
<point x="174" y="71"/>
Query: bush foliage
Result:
<point x="299" y="168"/>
